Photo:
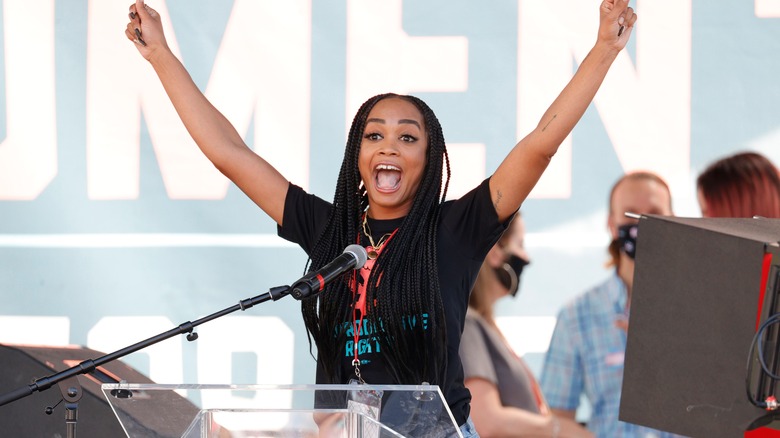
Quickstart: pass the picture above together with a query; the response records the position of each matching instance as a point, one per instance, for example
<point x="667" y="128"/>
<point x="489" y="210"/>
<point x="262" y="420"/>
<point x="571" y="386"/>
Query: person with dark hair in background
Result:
<point x="505" y="397"/>
<point x="744" y="185"/>
<point x="588" y="344"/>
<point x="398" y="320"/>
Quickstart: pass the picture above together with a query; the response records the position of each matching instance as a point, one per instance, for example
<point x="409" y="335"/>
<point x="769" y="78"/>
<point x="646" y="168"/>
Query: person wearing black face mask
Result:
<point x="588" y="344"/>
<point x="626" y="239"/>
<point x="506" y="399"/>
<point x="508" y="273"/>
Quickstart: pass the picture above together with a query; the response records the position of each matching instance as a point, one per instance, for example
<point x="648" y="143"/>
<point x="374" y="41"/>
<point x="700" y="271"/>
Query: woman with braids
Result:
<point x="408" y="304"/>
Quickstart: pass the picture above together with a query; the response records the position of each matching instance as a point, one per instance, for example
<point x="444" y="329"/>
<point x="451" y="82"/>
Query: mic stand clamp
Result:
<point x="71" y="394"/>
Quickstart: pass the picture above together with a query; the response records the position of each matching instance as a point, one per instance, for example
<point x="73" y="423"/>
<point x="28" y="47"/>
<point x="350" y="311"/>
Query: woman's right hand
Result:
<point x="145" y="29"/>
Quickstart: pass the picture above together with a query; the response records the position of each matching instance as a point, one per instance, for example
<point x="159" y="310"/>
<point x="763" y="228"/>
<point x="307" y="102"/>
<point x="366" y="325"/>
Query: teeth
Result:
<point x="387" y="167"/>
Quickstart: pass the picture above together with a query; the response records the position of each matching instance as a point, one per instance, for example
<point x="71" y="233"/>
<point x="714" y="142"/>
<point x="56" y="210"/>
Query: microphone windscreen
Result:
<point x="360" y="254"/>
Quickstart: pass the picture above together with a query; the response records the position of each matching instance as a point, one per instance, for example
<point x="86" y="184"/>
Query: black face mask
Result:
<point x="627" y="239"/>
<point x="509" y="273"/>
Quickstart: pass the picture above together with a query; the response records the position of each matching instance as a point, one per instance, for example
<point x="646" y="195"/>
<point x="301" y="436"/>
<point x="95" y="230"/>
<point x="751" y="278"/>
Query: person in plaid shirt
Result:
<point x="588" y="345"/>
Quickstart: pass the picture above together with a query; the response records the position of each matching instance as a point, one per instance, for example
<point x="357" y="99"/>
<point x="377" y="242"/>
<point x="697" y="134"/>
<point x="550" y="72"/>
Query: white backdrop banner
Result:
<point x="113" y="226"/>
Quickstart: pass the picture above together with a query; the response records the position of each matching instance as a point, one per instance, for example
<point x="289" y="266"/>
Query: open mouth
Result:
<point x="387" y="177"/>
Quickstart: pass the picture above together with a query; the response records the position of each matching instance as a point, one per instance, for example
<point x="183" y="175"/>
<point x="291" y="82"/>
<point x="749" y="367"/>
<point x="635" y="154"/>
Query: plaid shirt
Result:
<point x="586" y="356"/>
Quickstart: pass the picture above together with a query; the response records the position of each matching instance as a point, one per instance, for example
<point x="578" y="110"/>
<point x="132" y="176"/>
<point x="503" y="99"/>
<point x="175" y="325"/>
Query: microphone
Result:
<point x="353" y="257"/>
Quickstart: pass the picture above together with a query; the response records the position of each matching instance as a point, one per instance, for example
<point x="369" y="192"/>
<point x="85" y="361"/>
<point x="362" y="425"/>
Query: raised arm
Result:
<point x="212" y="132"/>
<point x="521" y="169"/>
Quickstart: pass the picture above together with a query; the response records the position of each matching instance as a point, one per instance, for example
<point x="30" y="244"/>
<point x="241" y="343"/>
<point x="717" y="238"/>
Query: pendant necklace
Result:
<point x="375" y="248"/>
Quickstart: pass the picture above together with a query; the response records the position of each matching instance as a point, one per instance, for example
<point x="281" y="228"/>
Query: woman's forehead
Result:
<point x="395" y="107"/>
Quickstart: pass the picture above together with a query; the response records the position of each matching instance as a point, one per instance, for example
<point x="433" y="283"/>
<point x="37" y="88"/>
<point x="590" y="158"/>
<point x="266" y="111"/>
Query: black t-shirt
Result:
<point x="468" y="228"/>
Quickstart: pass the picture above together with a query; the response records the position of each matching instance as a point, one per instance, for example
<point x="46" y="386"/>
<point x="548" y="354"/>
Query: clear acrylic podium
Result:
<point x="254" y="411"/>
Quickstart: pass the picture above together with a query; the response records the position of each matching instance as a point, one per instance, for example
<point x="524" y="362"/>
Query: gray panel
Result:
<point x="694" y="313"/>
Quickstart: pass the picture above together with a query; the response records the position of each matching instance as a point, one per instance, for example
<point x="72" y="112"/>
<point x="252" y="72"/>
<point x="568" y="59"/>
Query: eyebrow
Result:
<point x="383" y="121"/>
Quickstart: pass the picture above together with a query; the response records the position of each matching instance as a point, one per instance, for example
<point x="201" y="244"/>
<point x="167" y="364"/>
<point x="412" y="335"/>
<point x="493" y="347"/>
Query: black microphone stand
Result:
<point x="68" y="381"/>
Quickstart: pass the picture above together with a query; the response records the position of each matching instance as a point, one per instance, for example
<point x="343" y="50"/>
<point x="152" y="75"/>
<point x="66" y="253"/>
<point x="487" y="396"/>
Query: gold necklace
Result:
<point x="373" y="250"/>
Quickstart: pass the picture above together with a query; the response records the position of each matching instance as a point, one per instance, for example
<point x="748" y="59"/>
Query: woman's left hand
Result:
<point x="617" y="22"/>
